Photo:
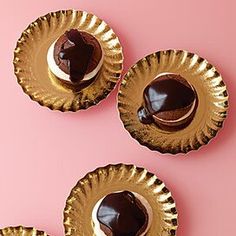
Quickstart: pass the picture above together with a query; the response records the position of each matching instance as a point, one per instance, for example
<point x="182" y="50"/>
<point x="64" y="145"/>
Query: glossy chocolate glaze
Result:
<point x="122" y="214"/>
<point x="77" y="53"/>
<point x="168" y="97"/>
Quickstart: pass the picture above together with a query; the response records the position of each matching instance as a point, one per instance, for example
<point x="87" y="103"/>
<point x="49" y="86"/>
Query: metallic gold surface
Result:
<point x="112" y="178"/>
<point x="210" y="88"/>
<point x="30" y="61"/>
<point x="21" y="231"/>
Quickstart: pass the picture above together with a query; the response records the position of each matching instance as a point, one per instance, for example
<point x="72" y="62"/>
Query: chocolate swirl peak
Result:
<point x="122" y="214"/>
<point x="169" y="101"/>
<point x="77" y="53"/>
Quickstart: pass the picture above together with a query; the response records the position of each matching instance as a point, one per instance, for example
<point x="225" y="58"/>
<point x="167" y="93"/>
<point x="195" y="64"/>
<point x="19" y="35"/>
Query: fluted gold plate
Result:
<point x="210" y="89"/>
<point x="21" y="231"/>
<point x="112" y="178"/>
<point x="30" y="61"/>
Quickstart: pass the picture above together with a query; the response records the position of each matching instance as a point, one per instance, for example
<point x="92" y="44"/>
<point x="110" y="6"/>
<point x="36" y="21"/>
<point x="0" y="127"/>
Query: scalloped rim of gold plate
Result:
<point x="210" y="88"/>
<point x="21" y="231"/>
<point x="111" y="178"/>
<point x="31" y="67"/>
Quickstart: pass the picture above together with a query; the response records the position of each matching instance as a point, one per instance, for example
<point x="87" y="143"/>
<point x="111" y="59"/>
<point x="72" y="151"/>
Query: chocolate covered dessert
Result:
<point x="122" y="213"/>
<point x="75" y="57"/>
<point x="169" y="101"/>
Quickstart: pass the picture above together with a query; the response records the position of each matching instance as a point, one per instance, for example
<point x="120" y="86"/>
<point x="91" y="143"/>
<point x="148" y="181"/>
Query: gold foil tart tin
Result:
<point x="33" y="74"/>
<point x="103" y="181"/>
<point x="210" y="89"/>
<point x="21" y="231"/>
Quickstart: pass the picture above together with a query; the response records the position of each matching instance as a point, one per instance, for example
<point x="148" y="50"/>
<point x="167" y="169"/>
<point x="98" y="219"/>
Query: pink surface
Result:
<point x="44" y="153"/>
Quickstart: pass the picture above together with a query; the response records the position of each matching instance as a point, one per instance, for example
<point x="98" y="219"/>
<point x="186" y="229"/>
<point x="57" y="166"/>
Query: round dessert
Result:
<point x="169" y="101"/>
<point x="75" y="57"/>
<point x="122" y="213"/>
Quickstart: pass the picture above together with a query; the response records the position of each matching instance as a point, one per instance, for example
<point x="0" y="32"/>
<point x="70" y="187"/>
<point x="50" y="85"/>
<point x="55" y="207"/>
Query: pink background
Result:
<point x="44" y="153"/>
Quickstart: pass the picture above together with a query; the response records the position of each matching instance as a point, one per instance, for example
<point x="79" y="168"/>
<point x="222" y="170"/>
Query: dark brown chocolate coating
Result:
<point x="166" y="99"/>
<point x="122" y="214"/>
<point x="77" y="53"/>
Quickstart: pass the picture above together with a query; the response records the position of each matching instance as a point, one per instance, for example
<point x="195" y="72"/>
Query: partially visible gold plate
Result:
<point x="21" y="231"/>
<point x="30" y="61"/>
<point x="212" y="98"/>
<point x="112" y="178"/>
